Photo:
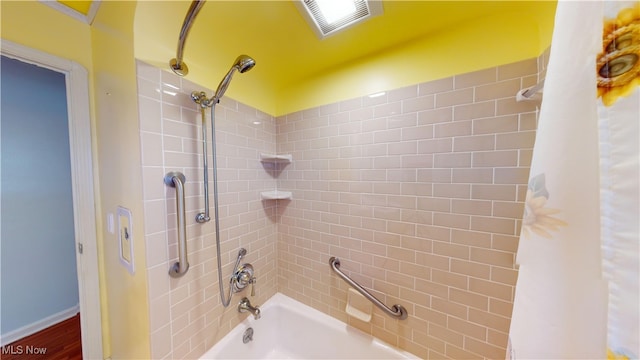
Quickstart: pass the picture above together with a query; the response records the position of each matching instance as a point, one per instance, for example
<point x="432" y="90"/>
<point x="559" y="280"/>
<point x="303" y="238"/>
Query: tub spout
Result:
<point x="245" y="305"/>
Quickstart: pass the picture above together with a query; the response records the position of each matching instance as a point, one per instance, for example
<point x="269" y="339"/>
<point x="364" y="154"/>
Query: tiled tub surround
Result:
<point x="418" y="192"/>
<point x="187" y="317"/>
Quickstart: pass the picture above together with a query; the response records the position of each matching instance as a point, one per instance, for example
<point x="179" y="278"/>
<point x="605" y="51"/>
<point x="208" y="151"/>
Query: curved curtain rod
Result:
<point x="176" y="64"/>
<point x="530" y="92"/>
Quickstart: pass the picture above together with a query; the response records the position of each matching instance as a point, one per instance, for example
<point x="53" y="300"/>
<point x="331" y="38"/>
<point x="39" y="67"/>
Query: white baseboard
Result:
<point x="34" y="327"/>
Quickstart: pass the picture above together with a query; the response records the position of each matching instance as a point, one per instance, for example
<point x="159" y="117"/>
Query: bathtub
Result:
<point x="289" y="329"/>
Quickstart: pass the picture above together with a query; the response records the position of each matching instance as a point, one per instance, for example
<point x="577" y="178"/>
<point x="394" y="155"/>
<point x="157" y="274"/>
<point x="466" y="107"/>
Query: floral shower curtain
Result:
<point x="619" y="115"/>
<point x="577" y="290"/>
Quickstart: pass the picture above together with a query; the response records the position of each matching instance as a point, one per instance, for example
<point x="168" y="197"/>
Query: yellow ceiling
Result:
<point x="289" y="54"/>
<point x="279" y="38"/>
<point x="82" y="7"/>
<point x="425" y="39"/>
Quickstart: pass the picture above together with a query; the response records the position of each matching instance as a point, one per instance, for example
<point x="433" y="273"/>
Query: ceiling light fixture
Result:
<point x="334" y="10"/>
<point x="327" y="17"/>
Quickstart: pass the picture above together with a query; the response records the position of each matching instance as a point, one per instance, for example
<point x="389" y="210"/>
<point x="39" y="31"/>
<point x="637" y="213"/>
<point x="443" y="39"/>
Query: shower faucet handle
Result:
<point x="252" y="281"/>
<point x="242" y="277"/>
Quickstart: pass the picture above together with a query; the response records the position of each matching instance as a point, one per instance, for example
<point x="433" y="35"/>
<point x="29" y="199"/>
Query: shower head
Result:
<point x="243" y="63"/>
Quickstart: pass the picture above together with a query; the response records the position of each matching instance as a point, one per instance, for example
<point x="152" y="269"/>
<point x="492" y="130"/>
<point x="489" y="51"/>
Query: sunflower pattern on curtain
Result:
<point x="577" y="290"/>
<point x="618" y="75"/>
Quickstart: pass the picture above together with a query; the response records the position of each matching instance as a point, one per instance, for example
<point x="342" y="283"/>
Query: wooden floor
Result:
<point x="57" y="342"/>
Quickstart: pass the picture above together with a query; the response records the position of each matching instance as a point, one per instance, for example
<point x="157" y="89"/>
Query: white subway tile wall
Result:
<point x="186" y="314"/>
<point x="419" y="192"/>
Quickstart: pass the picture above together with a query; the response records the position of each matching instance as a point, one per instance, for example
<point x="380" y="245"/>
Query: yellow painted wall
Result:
<point x="40" y="27"/>
<point x="119" y="149"/>
<point x="106" y="51"/>
<point x="43" y="28"/>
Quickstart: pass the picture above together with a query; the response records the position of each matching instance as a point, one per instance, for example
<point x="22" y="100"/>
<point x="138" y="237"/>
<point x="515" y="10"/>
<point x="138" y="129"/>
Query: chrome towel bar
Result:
<point x="176" y="180"/>
<point x="397" y="311"/>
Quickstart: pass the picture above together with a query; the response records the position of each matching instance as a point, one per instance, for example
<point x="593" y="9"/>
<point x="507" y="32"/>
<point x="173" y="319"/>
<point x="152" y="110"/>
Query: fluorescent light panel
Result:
<point x="326" y="23"/>
<point x="334" y="10"/>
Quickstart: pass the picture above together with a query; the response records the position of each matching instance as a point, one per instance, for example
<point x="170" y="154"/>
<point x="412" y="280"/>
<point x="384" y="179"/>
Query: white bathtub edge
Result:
<point x="286" y="302"/>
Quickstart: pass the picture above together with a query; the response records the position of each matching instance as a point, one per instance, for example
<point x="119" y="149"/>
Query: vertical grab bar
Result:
<point x="200" y="98"/>
<point x="176" y="180"/>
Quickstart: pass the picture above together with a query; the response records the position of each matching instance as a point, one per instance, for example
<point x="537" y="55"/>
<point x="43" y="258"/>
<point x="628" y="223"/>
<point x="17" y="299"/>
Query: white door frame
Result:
<point x="80" y="145"/>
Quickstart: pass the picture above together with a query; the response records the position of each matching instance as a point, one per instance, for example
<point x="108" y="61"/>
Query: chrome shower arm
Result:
<point x="176" y="64"/>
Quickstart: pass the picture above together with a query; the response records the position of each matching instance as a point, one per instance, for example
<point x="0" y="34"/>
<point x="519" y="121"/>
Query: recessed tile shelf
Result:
<point x="273" y="158"/>
<point x="276" y="195"/>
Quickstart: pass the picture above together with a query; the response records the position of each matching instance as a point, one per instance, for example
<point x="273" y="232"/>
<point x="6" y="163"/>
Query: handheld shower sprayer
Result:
<point x="242" y="64"/>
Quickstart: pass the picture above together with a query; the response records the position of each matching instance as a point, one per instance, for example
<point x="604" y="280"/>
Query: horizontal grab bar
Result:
<point x="397" y="311"/>
<point x="176" y="180"/>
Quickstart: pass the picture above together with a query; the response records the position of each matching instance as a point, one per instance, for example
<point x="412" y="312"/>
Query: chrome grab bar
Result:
<point x="201" y="99"/>
<point x="397" y="311"/>
<point x="176" y="180"/>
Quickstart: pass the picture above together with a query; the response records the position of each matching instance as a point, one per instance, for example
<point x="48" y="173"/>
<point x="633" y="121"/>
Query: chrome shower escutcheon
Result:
<point x="242" y="277"/>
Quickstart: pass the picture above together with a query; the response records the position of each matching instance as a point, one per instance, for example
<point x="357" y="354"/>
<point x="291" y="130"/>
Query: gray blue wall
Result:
<point x="38" y="265"/>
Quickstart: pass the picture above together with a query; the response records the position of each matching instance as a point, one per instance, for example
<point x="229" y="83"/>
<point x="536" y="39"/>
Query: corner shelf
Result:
<point x="276" y="159"/>
<point x="276" y="195"/>
<point x="273" y="158"/>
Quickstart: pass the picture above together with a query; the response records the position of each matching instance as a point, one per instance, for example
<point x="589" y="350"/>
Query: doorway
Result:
<point x="39" y="283"/>
<point x="49" y="245"/>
